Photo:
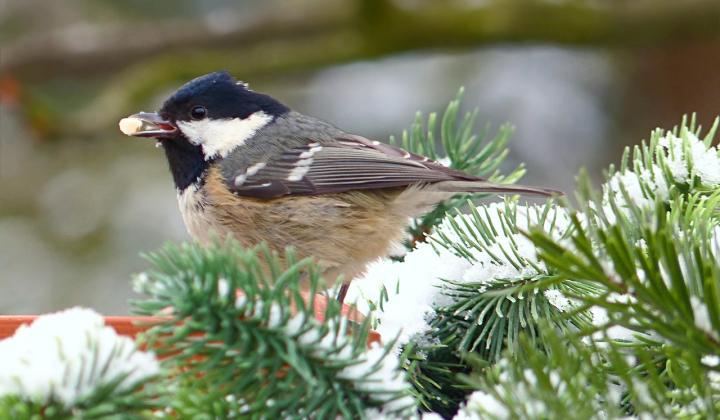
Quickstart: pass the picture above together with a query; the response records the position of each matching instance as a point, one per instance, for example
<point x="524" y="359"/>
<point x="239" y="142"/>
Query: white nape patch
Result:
<point x="240" y="179"/>
<point x="220" y="137"/>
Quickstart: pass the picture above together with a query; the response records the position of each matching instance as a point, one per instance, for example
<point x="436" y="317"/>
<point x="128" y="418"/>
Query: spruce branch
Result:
<point x="587" y="279"/>
<point x="462" y="147"/>
<point x="241" y="340"/>
<point x="649" y="243"/>
<point x="523" y="388"/>
<point x="659" y="250"/>
<point x="505" y="291"/>
<point x="668" y="271"/>
<point x="582" y="379"/>
<point x="513" y="290"/>
<point x="671" y="167"/>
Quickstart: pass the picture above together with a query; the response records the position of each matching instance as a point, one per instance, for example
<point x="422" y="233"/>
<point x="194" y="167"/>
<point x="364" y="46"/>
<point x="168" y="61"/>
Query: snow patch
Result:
<point x="415" y="286"/>
<point x="48" y="360"/>
<point x="702" y="316"/>
<point x="687" y="157"/>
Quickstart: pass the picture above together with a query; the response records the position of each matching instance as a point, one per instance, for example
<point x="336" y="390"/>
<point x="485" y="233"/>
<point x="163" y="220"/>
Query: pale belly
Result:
<point x="343" y="235"/>
<point x="199" y="223"/>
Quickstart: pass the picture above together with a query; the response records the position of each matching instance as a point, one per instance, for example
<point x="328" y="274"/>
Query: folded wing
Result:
<point x="347" y="163"/>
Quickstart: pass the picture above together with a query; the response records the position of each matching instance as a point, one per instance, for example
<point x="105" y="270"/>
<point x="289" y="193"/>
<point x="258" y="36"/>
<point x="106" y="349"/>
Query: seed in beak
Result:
<point x="130" y="125"/>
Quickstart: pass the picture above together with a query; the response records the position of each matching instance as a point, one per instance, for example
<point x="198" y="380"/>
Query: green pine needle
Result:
<point x="461" y="147"/>
<point x="261" y="353"/>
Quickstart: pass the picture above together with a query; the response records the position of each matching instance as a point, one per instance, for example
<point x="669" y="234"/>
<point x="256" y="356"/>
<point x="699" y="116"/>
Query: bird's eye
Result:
<point x="198" y="112"/>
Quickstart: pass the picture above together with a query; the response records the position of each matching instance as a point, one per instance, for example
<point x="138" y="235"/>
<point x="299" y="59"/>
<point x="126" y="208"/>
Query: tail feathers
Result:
<point x="485" y="186"/>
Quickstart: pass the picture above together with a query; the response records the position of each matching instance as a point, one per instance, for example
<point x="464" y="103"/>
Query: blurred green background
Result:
<point x="79" y="201"/>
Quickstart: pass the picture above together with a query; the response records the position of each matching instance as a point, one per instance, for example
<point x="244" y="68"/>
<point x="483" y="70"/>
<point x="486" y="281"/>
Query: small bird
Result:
<point x="248" y="166"/>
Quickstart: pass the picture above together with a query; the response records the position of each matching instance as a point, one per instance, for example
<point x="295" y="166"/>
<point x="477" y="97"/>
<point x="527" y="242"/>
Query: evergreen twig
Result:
<point x="241" y="339"/>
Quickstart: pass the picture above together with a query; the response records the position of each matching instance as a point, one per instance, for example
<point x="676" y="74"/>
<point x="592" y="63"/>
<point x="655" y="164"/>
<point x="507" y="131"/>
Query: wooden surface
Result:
<point x="132" y="325"/>
<point x="124" y="325"/>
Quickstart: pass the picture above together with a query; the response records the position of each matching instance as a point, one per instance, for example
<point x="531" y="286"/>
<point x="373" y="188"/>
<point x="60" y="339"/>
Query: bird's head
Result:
<point x="205" y="119"/>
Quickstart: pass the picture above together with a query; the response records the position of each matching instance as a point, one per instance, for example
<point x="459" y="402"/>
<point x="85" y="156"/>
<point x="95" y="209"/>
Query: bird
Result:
<point x="248" y="166"/>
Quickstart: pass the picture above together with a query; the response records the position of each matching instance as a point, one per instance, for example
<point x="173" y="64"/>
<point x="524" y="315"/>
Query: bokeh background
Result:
<point x="79" y="202"/>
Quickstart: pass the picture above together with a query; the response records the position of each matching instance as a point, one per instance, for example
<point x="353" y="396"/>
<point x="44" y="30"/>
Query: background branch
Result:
<point x="303" y="37"/>
<point x="378" y="23"/>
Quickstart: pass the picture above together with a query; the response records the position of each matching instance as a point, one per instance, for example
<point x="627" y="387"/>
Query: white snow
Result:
<point x="621" y="298"/>
<point x="295" y="324"/>
<point x="375" y="414"/>
<point x="276" y="316"/>
<point x="52" y="359"/>
<point x="616" y="332"/>
<point x="309" y="337"/>
<point x="445" y="161"/>
<point x="686" y="157"/>
<point x="376" y="371"/>
<point x="419" y="277"/>
<point x="710" y="360"/>
<point x="675" y="157"/>
<point x="379" y="373"/>
<point x="481" y="402"/>
<point x="702" y="316"/>
<point x="705" y="160"/>
<point x="417" y="280"/>
<point x="558" y="300"/>
<point x="632" y="182"/>
<point x="223" y="287"/>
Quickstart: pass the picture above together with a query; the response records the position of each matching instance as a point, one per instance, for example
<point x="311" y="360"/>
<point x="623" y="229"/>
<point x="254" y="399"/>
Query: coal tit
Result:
<point x="248" y="166"/>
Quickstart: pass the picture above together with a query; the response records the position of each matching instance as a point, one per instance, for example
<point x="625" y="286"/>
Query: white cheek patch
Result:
<point x="219" y="137"/>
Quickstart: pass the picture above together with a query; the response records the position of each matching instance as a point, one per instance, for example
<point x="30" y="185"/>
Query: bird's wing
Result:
<point x="346" y="163"/>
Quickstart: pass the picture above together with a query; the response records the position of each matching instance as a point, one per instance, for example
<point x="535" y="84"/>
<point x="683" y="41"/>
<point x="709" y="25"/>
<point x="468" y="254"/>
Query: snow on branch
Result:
<point x="473" y="251"/>
<point x="70" y="357"/>
<point x="674" y="163"/>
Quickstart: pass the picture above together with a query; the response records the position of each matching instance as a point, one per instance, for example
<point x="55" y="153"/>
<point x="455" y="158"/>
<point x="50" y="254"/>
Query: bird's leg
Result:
<point x="339" y="276"/>
<point x="342" y="292"/>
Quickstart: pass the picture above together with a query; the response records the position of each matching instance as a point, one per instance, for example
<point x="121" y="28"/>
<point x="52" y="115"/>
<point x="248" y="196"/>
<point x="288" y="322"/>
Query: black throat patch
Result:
<point x="186" y="161"/>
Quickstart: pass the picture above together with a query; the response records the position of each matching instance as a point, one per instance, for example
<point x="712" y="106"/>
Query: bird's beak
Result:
<point x="147" y="124"/>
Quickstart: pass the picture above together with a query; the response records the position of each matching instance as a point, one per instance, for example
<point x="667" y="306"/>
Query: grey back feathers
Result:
<point x="300" y="155"/>
<point x="287" y="131"/>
